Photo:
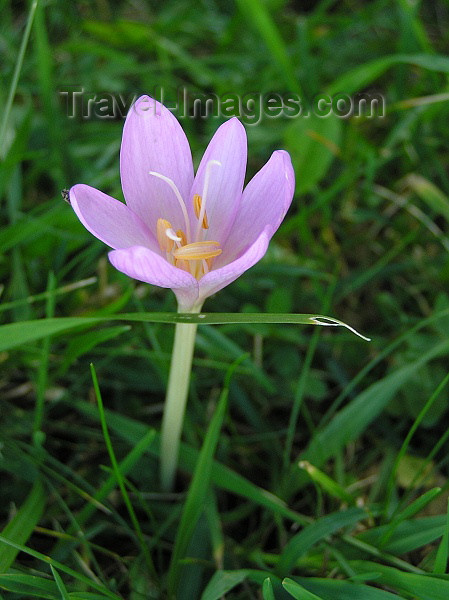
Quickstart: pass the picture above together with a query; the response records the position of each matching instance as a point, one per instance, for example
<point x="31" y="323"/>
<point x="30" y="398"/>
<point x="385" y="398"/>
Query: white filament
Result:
<point x="173" y="186"/>
<point x="204" y="198"/>
<point x="172" y="235"/>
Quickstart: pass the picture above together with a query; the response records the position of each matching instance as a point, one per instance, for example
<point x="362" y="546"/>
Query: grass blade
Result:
<point x="46" y="559"/>
<point x="16" y="75"/>
<point x="440" y="565"/>
<point x="313" y="533"/>
<point x="119" y="477"/>
<point x="297" y="591"/>
<point x="221" y="583"/>
<point x="20" y="527"/>
<point x="267" y="590"/>
<point x="258" y="16"/>
<point x="16" y="334"/>
<point x="60" y="584"/>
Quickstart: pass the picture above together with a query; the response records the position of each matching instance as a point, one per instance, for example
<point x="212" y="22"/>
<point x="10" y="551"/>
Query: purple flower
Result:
<point x="193" y="234"/>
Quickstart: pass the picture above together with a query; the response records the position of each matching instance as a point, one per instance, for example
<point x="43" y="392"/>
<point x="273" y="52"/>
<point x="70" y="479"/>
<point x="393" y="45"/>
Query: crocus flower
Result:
<point x="193" y="234"/>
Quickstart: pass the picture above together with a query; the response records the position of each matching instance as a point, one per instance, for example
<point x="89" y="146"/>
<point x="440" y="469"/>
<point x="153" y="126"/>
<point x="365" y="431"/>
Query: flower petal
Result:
<point x="153" y="140"/>
<point x="219" y="278"/>
<point x="265" y="201"/>
<point x="144" y="265"/>
<point x="109" y="220"/>
<point x="228" y="146"/>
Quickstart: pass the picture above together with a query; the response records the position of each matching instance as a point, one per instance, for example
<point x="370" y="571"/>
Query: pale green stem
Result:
<point x="175" y="400"/>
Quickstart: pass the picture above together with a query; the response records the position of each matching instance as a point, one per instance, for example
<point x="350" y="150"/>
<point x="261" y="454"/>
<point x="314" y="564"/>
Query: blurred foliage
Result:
<point x="365" y="240"/>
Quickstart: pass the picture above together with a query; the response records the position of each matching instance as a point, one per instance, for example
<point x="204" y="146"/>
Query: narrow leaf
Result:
<point x="297" y="591"/>
<point x="20" y="527"/>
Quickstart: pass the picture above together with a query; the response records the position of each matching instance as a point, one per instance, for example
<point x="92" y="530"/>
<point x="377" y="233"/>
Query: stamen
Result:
<point x="182" y="264"/>
<point x="204" y="200"/>
<point x="173" y="186"/>
<point x="165" y="241"/>
<point x="197" y="251"/>
<point x="182" y="235"/>
<point x="170" y="233"/>
<point x="197" y="208"/>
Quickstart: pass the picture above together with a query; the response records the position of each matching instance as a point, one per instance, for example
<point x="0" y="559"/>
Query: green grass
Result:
<point x="313" y="464"/>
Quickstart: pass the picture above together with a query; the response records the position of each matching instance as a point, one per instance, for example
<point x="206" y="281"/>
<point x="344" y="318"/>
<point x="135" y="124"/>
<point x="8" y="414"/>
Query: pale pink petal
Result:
<point x="153" y="140"/>
<point x="228" y="146"/>
<point x="109" y="220"/>
<point x="219" y="278"/>
<point x="265" y="201"/>
<point x="144" y="265"/>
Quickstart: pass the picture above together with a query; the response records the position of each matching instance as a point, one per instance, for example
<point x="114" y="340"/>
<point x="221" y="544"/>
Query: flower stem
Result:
<point x="175" y="401"/>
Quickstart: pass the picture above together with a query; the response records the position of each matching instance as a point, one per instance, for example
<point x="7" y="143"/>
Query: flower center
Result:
<point x="195" y="256"/>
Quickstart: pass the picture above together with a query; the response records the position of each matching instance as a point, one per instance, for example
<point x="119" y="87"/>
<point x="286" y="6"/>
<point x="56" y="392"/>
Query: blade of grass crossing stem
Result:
<point x="42" y="376"/>
<point x="197" y="493"/>
<point x="16" y="75"/>
<point x="409" y="436"/>
<point x="60" y="584"/>
<point x="267" y="590"/>
<point x="61" y="567"/>
<point x="16" y="334"/>
<point x="440" y="566"/>
<point x="297" y="591"/>
<point x="22" y="524"/>
<point x="119" y="477"/>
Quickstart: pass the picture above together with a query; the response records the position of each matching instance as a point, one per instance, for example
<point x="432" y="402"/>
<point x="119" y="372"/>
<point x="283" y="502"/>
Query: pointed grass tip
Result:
<point x="330" y="322"/>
